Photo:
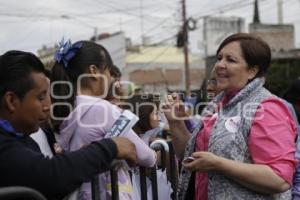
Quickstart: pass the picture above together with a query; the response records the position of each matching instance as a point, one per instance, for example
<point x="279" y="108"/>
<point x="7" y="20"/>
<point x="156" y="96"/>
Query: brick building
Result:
<point x="161" y="68"/>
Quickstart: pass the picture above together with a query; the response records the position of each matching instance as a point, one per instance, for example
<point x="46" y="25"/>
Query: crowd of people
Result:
<point x="55" y="127"/>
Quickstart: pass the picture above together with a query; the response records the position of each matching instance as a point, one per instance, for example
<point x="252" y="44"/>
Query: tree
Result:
<point x="281" y="74"/>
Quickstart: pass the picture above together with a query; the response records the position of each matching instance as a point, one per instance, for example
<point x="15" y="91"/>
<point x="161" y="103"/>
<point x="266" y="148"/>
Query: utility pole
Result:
<point x="205" y="36"/>
<point x="256" y="19"/>
<point x="279" y="10"/>
<point x="185" y="50"/>
<point x="142" y="22"/>
<point x="121" y="23"/>
<point x="96" y="33"/>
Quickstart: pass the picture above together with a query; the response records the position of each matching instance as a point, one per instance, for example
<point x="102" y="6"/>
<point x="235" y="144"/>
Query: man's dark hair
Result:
<point x="15" y="70"/>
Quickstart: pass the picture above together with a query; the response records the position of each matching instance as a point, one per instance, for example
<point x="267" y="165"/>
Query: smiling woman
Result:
<point x="232" y="71"/>
<point x="245" y="146"/>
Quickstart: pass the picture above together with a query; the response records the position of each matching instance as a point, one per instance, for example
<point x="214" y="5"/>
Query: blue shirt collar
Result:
<point x="7" y="127"/>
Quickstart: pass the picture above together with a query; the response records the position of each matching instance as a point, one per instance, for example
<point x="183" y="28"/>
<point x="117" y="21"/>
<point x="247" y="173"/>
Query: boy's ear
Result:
<point x="11" y="101"/>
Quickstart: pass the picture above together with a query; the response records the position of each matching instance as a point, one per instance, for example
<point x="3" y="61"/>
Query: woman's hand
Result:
<point x="174" y="111"/>
<point x="257" y="177"/>
<point x="204" y="162"/>
<point x="174" y="108"/>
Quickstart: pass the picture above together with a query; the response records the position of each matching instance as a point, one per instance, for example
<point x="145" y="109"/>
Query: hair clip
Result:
<point x="66" y="51"/>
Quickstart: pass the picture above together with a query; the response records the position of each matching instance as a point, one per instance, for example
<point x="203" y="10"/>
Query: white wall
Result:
<point x="116" y="46"/>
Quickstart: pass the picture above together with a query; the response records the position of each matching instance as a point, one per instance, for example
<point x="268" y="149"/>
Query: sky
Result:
<point x="30" y="24"/>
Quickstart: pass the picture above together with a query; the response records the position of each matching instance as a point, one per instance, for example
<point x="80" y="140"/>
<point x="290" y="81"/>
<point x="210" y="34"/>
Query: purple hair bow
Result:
<point x="66" y="51"/>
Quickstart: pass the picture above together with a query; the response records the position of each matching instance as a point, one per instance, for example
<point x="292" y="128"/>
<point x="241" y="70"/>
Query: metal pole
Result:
<point x="96" y="33"/>
<point x="142" y="22"/>
<point x="185" y="50"/>
<point x="205" y="36"/>
<point x="95" y="188"/>
<point x="157" y="147"/>
<point x="279" y="10"/>
<point x="143" y="183"/>
<point x="173" y="176"/>
<point x="154" y="183"/>
<point x="114" y="184"/>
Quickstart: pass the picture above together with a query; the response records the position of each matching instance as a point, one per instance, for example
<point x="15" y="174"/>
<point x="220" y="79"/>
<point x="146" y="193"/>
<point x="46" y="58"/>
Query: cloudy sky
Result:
<point x="29" y="24"/>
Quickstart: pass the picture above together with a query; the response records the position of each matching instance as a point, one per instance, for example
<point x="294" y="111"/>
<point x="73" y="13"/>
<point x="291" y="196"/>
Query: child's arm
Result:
<point x="145" y="155"/>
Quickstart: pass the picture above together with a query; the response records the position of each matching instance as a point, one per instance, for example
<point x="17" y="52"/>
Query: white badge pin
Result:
<point x="232" y="124"/>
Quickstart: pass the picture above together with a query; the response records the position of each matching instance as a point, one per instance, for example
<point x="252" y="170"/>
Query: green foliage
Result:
<point x="281" y="74"/>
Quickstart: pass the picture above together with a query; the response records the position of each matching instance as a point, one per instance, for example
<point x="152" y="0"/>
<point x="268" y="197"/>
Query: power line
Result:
<point x="149" y="50"/>
<point x="159" y="24"/>
<point x="223" y="9"/>
<point x="157" y="57"/>
<point x="119" y="10"/>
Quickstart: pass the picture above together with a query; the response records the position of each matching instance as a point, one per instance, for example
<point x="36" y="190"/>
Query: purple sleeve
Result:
<point x="146" y="156"/>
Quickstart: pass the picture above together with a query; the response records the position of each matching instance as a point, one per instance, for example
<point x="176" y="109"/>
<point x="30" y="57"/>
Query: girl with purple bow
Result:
<point x="80" y="80"/>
